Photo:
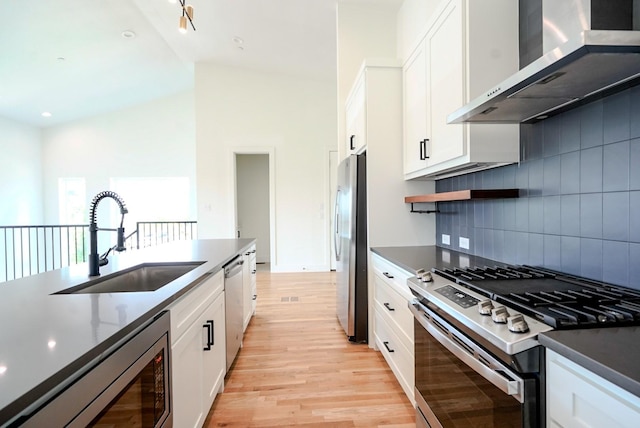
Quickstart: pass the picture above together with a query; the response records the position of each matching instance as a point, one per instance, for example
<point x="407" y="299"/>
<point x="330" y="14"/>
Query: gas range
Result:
<point x="508" y="306"/>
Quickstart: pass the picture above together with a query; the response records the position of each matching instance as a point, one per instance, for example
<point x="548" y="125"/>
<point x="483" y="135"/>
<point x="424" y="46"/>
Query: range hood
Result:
<point x="580" y="64"/>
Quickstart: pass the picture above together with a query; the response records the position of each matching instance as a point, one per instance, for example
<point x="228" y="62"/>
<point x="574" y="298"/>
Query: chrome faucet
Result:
<point x="95" y="261"/>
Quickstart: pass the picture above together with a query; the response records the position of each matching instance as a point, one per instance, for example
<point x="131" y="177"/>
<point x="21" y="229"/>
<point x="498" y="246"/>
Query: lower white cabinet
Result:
<point x="393" y="321"/>
<point x="249" y="294"/>
<point x="577" y="397"/>
<point x="197" y="351"/>
<point x="254" y="286"/>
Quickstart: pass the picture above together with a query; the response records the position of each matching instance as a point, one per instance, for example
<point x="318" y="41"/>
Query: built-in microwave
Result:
<point x="131" y="386"/>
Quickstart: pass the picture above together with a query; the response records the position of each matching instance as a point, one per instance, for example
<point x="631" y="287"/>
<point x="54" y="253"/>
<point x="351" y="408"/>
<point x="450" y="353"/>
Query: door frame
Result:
<point x="270" y="152"/>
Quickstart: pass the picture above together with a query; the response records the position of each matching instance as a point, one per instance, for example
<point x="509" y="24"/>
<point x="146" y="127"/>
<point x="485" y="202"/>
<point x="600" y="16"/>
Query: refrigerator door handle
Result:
<point x="336" y="236"/>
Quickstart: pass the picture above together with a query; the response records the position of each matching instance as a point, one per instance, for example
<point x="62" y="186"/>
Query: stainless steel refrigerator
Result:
<point x="350" y="237"/>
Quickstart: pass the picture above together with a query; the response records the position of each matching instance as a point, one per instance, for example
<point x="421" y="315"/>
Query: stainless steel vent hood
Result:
<point x="582" y="61"/>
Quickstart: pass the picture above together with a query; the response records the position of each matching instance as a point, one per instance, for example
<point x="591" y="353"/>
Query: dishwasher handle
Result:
<point x="232" y="268"/>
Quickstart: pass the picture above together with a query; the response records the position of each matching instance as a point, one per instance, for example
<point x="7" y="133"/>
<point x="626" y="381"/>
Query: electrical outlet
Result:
<point x="446" y="239"/>
<point x="464" y="243"/>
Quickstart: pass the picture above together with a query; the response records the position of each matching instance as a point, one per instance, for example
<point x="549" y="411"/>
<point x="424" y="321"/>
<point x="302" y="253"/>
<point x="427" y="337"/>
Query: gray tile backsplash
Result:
<point x="579" y="205"/>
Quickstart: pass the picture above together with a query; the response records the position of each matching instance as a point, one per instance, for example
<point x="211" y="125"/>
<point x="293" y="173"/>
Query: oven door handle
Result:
<point x="468" y="352"/>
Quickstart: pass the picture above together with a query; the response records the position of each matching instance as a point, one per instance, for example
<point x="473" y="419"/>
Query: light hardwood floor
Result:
<point x="296" y="367"/>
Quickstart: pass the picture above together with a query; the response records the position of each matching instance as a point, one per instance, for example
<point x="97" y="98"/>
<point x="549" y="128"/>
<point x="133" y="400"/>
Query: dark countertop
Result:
<point x="611" y="353"/>
<point x="45" y="337"/>
<point x="426" y="257"/>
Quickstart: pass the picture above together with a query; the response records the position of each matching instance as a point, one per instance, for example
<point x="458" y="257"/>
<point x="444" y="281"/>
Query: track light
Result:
<point x="187" y="14"/>
<point x="183" y="25"/>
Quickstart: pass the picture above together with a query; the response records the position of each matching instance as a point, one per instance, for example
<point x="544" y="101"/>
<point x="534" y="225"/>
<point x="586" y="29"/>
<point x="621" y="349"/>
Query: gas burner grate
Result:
<point x="561" y="301"/>
<point x="493" y="273"/>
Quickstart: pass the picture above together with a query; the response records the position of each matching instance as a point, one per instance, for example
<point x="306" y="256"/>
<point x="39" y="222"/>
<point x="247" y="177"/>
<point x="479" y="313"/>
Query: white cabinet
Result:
<point x="197" y="351"/>
<point x="415" y="110"/>
<point x="249" y="294"/>
<point x="578" y="398"/>
<point x="393" y="321"/>
<point x="355" y="118"/>
<point x="214" y="355"/>
<point x="464" y="52"/>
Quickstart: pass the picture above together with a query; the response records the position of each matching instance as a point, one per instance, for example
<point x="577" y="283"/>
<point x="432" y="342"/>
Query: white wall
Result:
<point x="413" y="17"/>
<point x="155" y="139"/>
<point x="20" y="174"/>
<point x="240" y="109"/>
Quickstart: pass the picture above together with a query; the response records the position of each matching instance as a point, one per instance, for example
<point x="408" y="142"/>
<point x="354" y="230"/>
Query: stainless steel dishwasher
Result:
<point x="233" y="307"/>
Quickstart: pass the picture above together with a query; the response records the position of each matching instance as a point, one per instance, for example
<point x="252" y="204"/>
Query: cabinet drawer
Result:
<point x="393" y="275"/>
<point x="189" y="307"/>
<point x="395" y="308"/>
<point x="399" y="358"/>
<point x="576" y="397"/>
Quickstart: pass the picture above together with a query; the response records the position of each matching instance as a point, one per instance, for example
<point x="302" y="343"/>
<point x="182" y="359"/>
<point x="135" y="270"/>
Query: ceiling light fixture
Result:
<point x="238" y="41"/>
<point x="187" y="14"/>
<point x="46" y="114"/>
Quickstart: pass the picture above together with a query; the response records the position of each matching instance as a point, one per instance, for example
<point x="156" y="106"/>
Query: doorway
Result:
<point x="253" y="202"/>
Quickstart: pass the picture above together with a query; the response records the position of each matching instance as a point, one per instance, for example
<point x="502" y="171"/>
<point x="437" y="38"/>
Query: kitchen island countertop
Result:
<point x="45" y="337"/>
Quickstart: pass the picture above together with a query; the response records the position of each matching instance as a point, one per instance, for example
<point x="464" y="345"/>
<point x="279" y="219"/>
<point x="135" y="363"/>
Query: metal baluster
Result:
<point x="6" y="261"/>
<point x="21" y="253"/>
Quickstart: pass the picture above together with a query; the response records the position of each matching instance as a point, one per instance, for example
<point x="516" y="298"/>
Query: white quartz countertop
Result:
<point x="45" y="338"/>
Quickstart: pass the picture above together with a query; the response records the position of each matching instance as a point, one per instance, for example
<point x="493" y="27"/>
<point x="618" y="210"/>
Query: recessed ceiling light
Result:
<point x="46" y="114"/>
<point x="128" y="34"/>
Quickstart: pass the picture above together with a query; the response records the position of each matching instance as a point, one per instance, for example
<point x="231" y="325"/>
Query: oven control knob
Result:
<point x="426" y="277"/>
<point x="517" y="324"/>
<point x="499" y="315"/>
<point x="484" y="307"/>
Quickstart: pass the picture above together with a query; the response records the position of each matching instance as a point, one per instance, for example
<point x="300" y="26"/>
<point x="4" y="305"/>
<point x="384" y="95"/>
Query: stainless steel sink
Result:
<point x="143" y="277"/>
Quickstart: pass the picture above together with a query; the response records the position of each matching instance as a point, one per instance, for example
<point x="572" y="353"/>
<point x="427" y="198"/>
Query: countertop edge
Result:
<point x="380" y="251"/>
<point x="581" y="358"/>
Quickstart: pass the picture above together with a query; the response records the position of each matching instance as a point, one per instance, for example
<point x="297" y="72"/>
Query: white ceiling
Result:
<point x="68" y="57"/>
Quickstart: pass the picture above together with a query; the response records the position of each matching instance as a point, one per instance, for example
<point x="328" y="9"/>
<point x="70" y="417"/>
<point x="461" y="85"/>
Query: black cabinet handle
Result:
<point x="253" y="271"/>
<point x="247" y="253"/>
<point x="255" y="296"/>
<point x="351" y="144"/>
<point x="210" y="336"/>
<point x="423" y="149"/>
<point x="386" y="345"/>
<point x="389" y="308"/>
<point x="388" y="275"/>
<point x="253" y="251"/>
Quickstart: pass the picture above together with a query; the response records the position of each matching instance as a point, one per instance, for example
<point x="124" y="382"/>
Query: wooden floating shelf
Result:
<point x="463" y="195"/>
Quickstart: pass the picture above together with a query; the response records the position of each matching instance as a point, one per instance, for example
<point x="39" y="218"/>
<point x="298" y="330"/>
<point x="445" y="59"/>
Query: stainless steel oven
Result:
<point x="460" y="384"/>
<point x="477" y="355"/>
<point x="128" y="387"/>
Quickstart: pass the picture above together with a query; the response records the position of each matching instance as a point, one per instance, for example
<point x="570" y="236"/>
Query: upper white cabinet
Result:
<point x="355" y="120"/>
<point x="467" y="47"/>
